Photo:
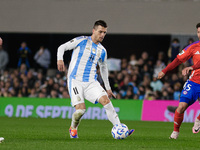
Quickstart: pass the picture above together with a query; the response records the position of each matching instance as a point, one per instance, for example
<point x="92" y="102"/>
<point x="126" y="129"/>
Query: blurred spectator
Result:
<point x="141" y="93"/>
<point x="165" y="95"/>
<point x="65" y="94"/>
<point x="124" y="64"/>
<point x="190" y="41"/>
<point x="42" y="59"/>
<point x="41" y="95"/>
<point x="50" y="84"/>
<point x="170" y="91"/>
<point x="113" y="82"/>
<point x="129" y="93"/>
<point x="146" y="81"/>
<point x="3" y="57"/>
<point x="57" y="77"/>
<point x="174" y="79"/>
<point x="158" y="67"/>
<point x="31" y="79"/>
<point x="156" y="84"/>
<point x="53" y="94"/>
<point x="145" y="57"/>
<point x="174" y="49"/>
<point x="145" y="71"/>
<point x="40" y="78"/>
<point x="133" y="61"/>
<point x="177" y="91"/>
<point x="23" y="69"/>
<point x="149" y="95"/>
<point x="24" y="53"/>
<point x="33" y="93"/>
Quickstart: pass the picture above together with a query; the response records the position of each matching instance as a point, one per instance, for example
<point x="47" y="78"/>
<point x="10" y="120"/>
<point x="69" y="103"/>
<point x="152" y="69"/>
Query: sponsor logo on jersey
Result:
<point x="185" y="92"/>
<point x="93" y="50"/>
<point x="197" y="52"/>
<point x="182" y="52"/>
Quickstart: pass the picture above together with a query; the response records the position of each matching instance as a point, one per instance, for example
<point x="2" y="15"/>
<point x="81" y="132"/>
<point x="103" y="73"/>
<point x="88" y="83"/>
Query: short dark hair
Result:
<point x="198" y="25"/>
<point x="175" y="40"/>
<point x="100" y="23"/>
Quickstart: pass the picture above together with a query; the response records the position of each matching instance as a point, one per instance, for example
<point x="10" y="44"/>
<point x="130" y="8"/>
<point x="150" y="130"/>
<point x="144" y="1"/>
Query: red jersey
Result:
<point x="193" y="50"/>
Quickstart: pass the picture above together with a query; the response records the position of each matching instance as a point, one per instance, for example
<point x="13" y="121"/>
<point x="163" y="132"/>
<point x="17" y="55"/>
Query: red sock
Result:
<point x="198" y="117"/>
<point x="178" y="119"/>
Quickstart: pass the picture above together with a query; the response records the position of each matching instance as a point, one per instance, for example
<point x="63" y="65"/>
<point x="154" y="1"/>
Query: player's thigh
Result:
<point x="94" y="92"/>
<point x="75" y="92"/>
<point x="190" y="92"/>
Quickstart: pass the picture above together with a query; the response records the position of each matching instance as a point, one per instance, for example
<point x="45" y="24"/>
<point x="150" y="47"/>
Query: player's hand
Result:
<point x="61" y="66"/>
<point x="1" y="41"/>
<point x="160" y="75"/>
<point x="186" y="70"/>
<point x="110" y="94"/>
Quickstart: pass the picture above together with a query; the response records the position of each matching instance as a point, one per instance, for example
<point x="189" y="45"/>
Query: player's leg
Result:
<point x="76" y="118"/>
<point x="110" y="111"/>
<point x="188" y="96"/>
<point x="178" y="119"/>
<point x="95" y="93"/>
<point x="77" y="101"/>
<point x="196" y="127"/>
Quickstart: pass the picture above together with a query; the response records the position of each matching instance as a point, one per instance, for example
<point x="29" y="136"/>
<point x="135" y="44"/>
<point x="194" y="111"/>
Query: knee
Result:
<point x="104" y="100"/>
<point x="181" y="109"/>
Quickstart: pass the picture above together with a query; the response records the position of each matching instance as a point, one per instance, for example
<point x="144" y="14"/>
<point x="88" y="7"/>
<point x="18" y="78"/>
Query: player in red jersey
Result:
<point x="191" y="89"/>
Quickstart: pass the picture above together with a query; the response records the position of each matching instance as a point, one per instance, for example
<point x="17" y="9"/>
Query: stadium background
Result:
<point x="134" y="26"/>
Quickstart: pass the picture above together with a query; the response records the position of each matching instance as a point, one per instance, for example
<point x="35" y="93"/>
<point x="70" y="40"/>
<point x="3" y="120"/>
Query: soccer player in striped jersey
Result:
<point x="191" y="89"/>
<point x="82" y="76"/>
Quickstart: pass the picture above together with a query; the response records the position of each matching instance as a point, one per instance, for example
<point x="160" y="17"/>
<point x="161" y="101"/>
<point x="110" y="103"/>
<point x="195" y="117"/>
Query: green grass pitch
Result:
<point x="52" y="134"/>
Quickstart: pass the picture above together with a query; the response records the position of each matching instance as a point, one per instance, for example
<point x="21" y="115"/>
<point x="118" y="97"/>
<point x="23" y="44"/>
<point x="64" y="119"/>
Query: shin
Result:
<point x="76" y="117"/>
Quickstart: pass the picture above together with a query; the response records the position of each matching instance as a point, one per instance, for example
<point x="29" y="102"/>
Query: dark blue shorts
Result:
<point x="190" y="92"/>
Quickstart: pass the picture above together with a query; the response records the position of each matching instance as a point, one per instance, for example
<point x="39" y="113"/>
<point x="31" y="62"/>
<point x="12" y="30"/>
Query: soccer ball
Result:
<point x="120" y="131"/>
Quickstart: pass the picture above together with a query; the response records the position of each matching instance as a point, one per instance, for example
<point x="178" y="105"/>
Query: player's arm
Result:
<point x="104" y="74"/>
<point x="183" y="56"/>
<point x="60" y="52"/>
<point x="186" y="70"/>
<point x="169" y="67"/>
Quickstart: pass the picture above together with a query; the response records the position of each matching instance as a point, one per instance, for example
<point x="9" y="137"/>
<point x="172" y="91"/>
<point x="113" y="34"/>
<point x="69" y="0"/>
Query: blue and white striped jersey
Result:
<point x="85" y="57"/>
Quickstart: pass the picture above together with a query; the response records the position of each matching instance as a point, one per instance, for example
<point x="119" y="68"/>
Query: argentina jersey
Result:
<point x="85" y="57"/>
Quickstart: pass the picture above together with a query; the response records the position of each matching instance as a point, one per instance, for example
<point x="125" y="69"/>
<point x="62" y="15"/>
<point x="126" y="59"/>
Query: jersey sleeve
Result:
<point x="104" y="69"/>
<point x="185" y="54"/>
<point x="70" y="45"/>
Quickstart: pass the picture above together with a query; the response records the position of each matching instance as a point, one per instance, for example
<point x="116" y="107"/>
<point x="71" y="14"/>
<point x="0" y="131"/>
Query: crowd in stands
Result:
<point x="137" y="78"/>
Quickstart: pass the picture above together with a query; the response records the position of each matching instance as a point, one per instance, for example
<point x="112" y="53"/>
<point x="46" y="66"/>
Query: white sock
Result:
<point x="111" y="114"/>
<point x="76" y="118"/>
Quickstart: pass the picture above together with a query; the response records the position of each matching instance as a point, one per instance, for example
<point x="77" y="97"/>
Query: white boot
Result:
<point x="196" y="127"/>
<point x="174" y="135"/>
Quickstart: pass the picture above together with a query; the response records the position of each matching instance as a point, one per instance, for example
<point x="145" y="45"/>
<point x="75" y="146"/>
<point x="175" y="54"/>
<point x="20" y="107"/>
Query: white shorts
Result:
<point x="79" y="91"/>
